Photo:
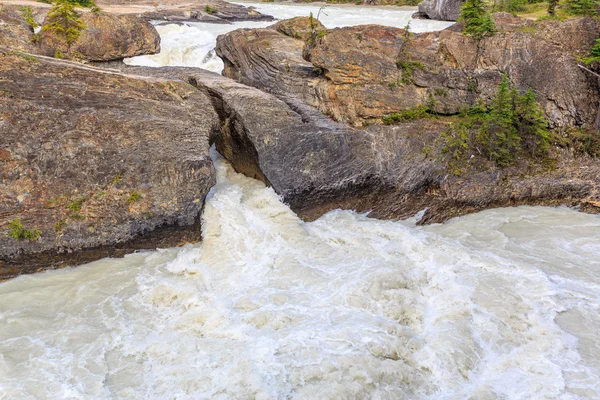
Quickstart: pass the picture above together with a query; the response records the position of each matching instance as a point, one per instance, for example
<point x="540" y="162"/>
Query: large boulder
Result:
<point x="106" y="37"/>
<point x="444" y="10"/>
<point x="96" y="163"/>
<point x="359" y="74"/>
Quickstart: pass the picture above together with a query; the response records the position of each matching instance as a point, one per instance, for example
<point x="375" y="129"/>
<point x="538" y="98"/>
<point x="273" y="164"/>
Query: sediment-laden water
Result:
<point x="503" y="304"/>
<point x="192" y="44"/>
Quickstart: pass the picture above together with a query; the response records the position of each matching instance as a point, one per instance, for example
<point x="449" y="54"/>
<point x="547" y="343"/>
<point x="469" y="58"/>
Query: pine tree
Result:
<point x="500" y="132"/>
<point x="532" y="124"/>
<point x="64" y="22"/>
<point x="583" y="7"/>
<point x="552" y="7"/>
<point x="478" y="22"/>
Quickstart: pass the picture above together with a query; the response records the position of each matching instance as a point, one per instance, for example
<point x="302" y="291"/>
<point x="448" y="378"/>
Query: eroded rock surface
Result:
<point x="444" y="10"/>
<point x="99" y="162"/>
<point x="106" y="37"/>
<point x="317" y="164"/>
<point x="359" y="74"/>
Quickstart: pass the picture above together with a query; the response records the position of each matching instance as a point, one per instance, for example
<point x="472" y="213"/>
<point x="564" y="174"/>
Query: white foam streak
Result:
<point x="192" y="44"/>
<point x="270" y="307"/>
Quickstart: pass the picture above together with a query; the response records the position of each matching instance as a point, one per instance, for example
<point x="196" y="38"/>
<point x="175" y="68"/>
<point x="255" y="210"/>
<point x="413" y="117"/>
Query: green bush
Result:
<point x="134" y="196"/>
<point x="407" y="115"/>
<point x="210" y="10"/>
<point x="17" y="231"/>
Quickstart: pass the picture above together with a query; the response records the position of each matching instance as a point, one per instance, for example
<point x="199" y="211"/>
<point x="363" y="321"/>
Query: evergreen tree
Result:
<point x="499" y="132"/>
<point x="552" y="7"/>
<point x="478" y="22"/>
<point x="583" y="7"/>
<point x="532" y="125"/>
<point x="64" y="22"/>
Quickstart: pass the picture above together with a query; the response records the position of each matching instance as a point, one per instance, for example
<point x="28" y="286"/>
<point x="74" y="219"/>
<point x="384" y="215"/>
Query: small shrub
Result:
<point x="210" y="10"/>
<point x="18" y="232"/>
<point x="134" y="196"/>
<point x="60" y="225"/>
<point x="594" y="54"/>
<point x="76" y="204"/>
<point x="406" y="115"/>
<point x="584" y="141"/>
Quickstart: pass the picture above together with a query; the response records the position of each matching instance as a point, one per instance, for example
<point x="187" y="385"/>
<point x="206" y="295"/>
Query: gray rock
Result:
<point x="444" y="10"/>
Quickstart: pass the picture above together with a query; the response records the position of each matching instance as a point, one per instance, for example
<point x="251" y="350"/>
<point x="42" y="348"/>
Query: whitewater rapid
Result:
<point x="192" y="44"/>
<point x="503" y="304"/>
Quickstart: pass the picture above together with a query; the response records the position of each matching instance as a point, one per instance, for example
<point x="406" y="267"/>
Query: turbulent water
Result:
<point x="503" y="304"/>
<point x="192" y="44"/>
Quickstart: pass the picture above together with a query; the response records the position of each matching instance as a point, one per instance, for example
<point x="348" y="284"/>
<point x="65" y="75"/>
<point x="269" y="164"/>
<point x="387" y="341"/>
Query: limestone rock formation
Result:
<point x="444" y="10"/>
<point x="107" y="37"/>
<point x="99" y="162"/>
<point x="359" y="74"/>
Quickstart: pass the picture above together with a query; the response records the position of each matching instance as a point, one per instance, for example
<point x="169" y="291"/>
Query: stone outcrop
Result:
<point x="317" y="164"/>
<point x="106" y="37"/>
<point x="444" y="10"/>
<point x="359" y="74"/>
<point x="15" y="33"/>
<point x="214" y="11"/>
<point x="99" y="162"/>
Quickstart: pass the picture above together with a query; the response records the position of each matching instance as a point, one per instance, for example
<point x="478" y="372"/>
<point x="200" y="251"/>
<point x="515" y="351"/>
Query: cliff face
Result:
<point x="98" y="162"/>
<point x="359" y="74"/>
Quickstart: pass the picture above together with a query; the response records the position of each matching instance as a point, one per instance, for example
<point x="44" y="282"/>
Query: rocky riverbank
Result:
<point x="101" y="161"/>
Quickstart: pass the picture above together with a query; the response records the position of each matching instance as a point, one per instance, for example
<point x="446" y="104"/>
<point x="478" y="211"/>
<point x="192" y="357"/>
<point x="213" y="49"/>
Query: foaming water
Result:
<point x="502" y="304"/>
<point x="192" y="44"/>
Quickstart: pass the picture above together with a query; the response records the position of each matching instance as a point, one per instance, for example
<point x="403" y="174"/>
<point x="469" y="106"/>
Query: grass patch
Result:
<point x="26" y="56"/>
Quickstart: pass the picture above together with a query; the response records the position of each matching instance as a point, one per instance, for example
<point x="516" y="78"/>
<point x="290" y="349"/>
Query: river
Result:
<point x="502" y="304"/>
